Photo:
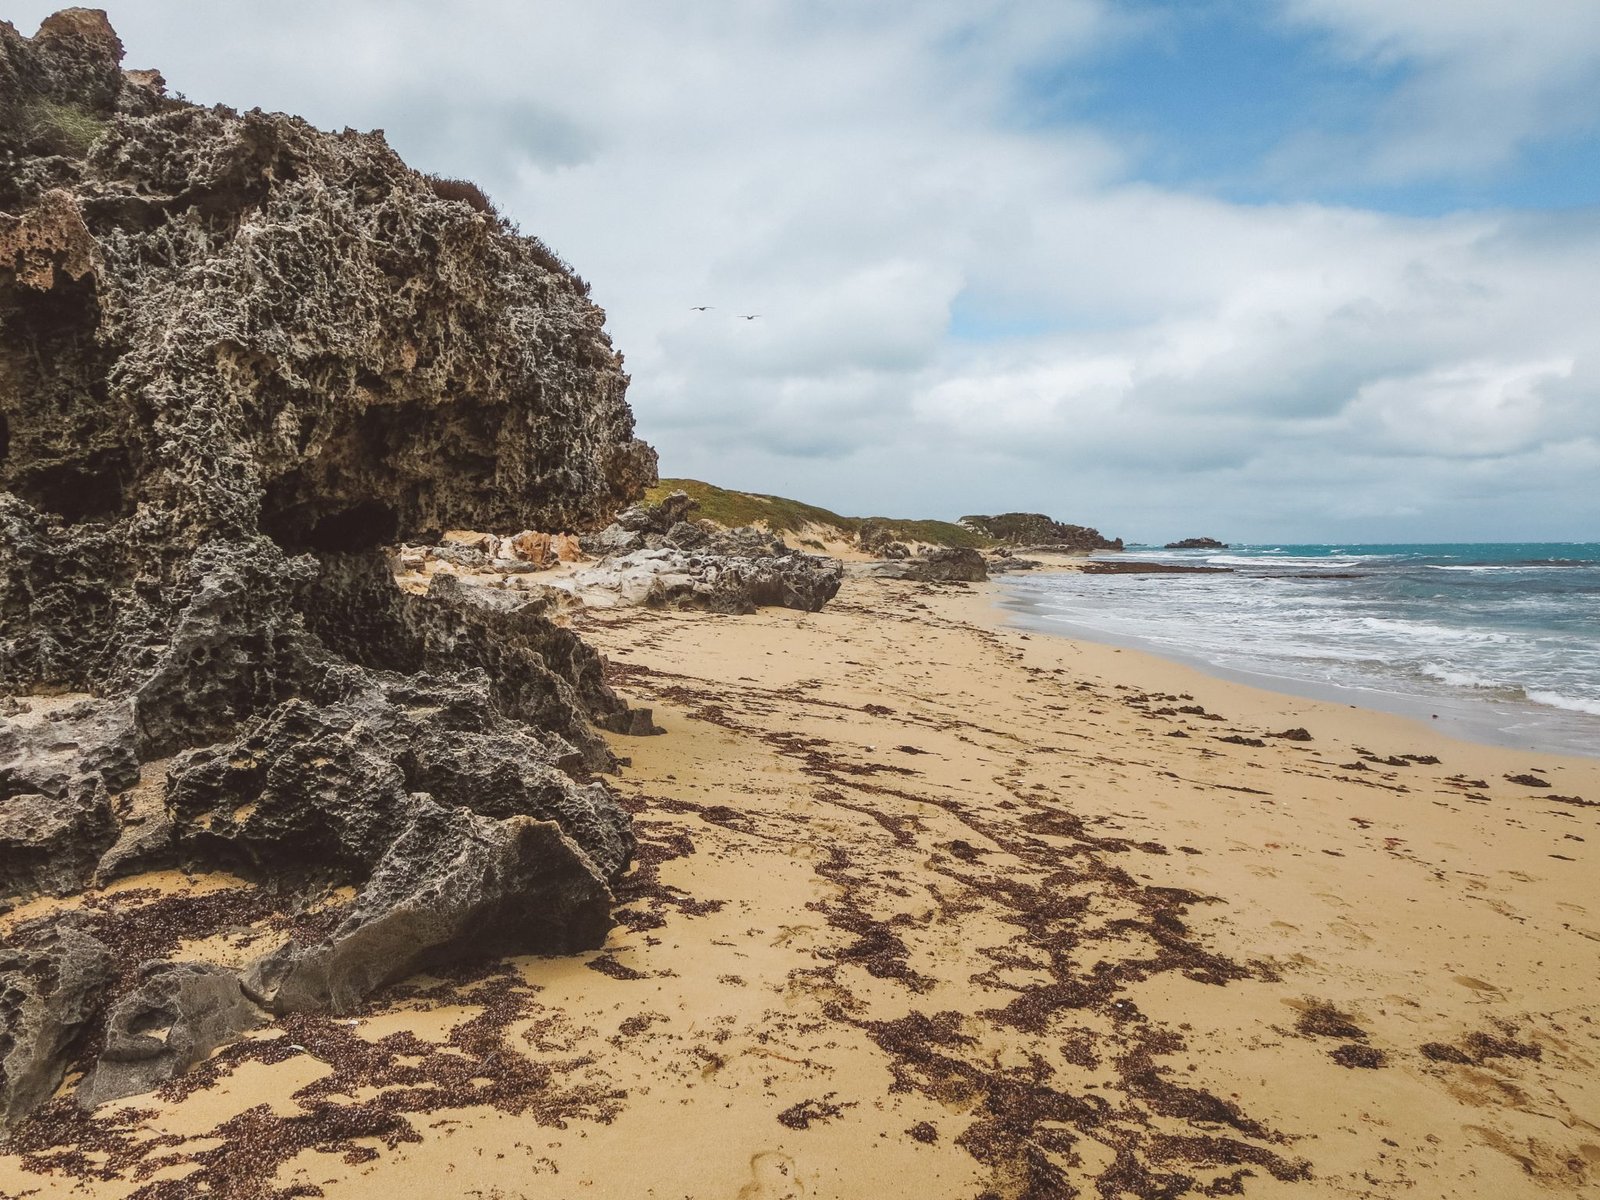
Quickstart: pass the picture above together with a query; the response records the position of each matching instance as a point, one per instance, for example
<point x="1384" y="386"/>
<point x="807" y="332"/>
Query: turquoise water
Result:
<point x="1506" y="636"/>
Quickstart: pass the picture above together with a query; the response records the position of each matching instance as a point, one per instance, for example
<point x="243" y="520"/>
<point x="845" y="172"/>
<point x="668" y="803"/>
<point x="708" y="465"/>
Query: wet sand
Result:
<point x="930" y="906"/>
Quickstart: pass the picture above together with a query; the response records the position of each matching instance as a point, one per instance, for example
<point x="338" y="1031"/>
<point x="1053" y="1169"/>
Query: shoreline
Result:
<point x="928" y="904"/>
<point x="1510" y="725"/>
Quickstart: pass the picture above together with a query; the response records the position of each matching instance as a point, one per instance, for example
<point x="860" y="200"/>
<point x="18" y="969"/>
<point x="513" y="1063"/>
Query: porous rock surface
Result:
<point x="238" y="357"/>
<point x="59" y="766"/>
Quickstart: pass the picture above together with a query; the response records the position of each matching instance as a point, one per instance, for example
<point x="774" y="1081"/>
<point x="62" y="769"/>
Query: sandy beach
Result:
<point x="931" y="906"/>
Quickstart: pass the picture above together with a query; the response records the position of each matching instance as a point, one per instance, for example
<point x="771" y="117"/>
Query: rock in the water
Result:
<point x="50" y="992"/>
<point x="452" y="884"/>
<point x="946" y="564"/>
<point x="1196" y="543"/>
<point x="177" y="1016"/>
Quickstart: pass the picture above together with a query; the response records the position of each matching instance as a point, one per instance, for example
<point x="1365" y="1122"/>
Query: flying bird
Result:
<point x="702" y="307"/>
<point x="748" y="316"/>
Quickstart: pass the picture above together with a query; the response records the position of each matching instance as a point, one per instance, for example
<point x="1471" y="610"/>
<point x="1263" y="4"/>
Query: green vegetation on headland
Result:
<point x="731" y="509"/>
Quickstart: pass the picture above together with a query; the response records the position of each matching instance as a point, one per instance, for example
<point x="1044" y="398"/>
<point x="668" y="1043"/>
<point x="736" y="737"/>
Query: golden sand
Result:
<point x="931" y="907"/>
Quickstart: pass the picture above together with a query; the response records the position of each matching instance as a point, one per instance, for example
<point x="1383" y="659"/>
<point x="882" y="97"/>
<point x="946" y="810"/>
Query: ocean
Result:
<point x="1500" y="642"/>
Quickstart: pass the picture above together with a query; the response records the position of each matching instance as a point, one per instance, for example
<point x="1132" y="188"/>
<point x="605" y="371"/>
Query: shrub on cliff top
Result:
<point x="471" y="194"/>
<point x="731" y="509"/>
<point x="463" y="190"/>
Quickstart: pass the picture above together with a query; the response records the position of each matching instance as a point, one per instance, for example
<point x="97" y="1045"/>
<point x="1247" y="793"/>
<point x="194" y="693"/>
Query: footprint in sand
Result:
<point x="772" y="1177"/>
<point x="1478" y="985"/>
<point x="1353" y="934"/>
<point x="1333" y="899"/>
<point x="1551" y="1164"/>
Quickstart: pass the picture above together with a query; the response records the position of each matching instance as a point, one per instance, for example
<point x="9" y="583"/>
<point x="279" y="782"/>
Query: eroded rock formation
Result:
<point x="238" y="356"/>
<point x="656" y="556"/>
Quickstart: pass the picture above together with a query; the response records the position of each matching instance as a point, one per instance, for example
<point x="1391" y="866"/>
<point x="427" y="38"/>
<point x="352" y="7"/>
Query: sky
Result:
<point x="1265" y="270"/>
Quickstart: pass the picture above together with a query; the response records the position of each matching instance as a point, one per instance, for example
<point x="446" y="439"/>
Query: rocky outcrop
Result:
<point x="727" y="574"/>
<point x="945" y="565"/>
<point x="643" y="526"/>
<point x="50" y="993"/>
<point x="177" y="1016"/>
<point x="1039" y="531"/>
<point x="655" y="556"/>
<point x="1196" y="543"/>
<point x="1003" y="562"/>
<point x="239" y="357"/>
<point x="326" y="790"/>
<point x="877" y="539"/>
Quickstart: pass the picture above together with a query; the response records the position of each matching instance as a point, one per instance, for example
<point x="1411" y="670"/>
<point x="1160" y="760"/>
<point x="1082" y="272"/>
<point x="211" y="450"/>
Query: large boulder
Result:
<point x="642" y="526"/>
<point x="659" y="516"/>
<point x="450" y="881"/>
<point x="51" y="988"/>
<point x="878" y="539"/>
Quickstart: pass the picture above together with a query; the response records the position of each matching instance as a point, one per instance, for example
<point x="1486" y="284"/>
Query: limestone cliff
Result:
<point x="238" y="356"/>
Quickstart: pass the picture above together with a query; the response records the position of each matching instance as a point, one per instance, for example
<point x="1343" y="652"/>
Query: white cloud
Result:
<point x="1482" y="79"/>
<point x="854" y="174"/>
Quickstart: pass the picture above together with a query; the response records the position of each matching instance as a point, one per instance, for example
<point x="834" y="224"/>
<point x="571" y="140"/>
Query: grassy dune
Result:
<point x="730" y="508"/>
